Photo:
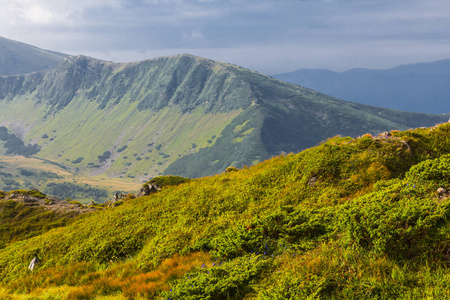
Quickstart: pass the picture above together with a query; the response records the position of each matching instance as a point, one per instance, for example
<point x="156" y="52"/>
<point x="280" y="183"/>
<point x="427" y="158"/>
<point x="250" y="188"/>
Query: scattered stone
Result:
<point x="441" y="191"/>
<point x="29" y="199"/>
<point x="49" y="200"/>
<point x="385" y="135"/>
<point x="117" y="196"/>
<point x="312" y="181"/>
<point x="117" y="199"/>
<point x="34" y="262"/>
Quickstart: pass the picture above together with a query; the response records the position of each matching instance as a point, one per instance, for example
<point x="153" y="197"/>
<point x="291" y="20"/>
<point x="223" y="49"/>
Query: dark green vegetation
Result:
<point x="364" y="218"/>
<point x="14" y="145"/>
<point x="163" y="181"/>
<point x="77" y="191"/>
<point x="20" y="58"/>
<point x="421" y="87"/>
<point x="22" y="177"/>
<point x="180" y="115"/>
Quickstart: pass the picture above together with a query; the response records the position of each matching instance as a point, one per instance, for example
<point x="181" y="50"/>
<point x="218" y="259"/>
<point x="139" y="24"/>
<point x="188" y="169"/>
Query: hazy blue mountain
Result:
<point x="20" y="58"/>
<point x="422" y="87"/>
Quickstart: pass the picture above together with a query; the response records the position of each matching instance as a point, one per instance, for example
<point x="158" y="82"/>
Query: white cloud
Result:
<point x="55" y="12"/>
<point x="271" y="36"/>
<point x="40" y="15"/>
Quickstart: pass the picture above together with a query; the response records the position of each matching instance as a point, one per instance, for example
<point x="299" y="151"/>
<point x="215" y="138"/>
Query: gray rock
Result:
<point x="34" y="262"/>
<point x="312" y="181"/>
<point x="148" y="189"/>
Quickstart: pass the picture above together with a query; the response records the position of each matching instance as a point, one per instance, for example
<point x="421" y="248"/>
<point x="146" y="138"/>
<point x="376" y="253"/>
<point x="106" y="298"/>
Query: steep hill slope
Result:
<point x="20" y="58"/>
<point x="364" y="218"/>
<point x="421" y="87"/>
<point x="183" y="115"/>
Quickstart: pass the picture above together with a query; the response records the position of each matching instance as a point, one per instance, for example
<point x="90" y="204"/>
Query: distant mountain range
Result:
<point x="182" y="115"/>
<point x="422" y="87"/>
<point x="20" y="58"/>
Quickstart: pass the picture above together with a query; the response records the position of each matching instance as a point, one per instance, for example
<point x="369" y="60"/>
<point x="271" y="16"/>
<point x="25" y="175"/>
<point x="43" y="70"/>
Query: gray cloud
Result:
<point x="265" y="35"/>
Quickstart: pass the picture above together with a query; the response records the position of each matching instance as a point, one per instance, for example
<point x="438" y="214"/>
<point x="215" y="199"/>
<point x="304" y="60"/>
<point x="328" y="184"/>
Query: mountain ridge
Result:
<point x="420" y="87"/>
<point x="183" y="115"/>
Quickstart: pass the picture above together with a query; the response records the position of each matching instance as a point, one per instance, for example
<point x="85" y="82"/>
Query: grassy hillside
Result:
<point x="20" y="58"/>
<point x="363" y="218"/>
<point x="21" y="217"/>
<point x="182" y="115"/>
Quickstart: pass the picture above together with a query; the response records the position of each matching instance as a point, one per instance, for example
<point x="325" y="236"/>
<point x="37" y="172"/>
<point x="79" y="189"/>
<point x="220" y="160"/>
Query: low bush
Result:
<point x="168" y="180"/>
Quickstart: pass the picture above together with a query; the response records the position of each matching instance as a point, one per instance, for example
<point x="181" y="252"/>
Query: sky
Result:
<point x="268" y="36"/>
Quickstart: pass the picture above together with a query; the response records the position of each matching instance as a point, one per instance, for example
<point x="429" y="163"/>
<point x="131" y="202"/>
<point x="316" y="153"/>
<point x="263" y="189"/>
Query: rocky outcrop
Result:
<point x="35" y="198"/>
<point x="148" y="189"/>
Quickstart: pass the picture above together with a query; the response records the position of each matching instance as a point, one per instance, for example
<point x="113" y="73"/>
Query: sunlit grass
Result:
<point x="349" y="219"/>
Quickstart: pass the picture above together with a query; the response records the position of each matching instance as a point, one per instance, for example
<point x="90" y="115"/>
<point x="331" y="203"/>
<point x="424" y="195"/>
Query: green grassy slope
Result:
<point x="19" y="172"/>
<point x="20" y="58"/>
<point x="349" y="219"/>
<point x="19" y="221"/>
<point x="183" y="115"/>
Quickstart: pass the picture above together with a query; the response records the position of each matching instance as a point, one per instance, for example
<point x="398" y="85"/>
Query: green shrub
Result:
<point x="104" y="156"/>
<point x="34" y="193"/>
<point x="27" y="173"/>
<point x="231" y="169"/>
<point x="401" y="218"/>
<point x="436" y="170"/>
<point x="227" y="280"/>
<point x="75" y="203"/>
<point x="167" y="180"/>
<point x="78" y="160"/>
<point x="122" y="148"/>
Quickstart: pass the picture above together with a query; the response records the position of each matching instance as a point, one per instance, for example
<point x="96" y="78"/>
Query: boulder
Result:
<point x="441" y="191"/>
<point x="34" y="262"/>
<point x="148" y="189"/>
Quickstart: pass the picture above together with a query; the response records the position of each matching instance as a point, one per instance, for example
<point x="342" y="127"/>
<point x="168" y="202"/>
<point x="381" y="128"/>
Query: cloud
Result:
<point x="265" y="35"/>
